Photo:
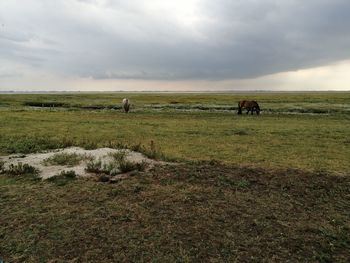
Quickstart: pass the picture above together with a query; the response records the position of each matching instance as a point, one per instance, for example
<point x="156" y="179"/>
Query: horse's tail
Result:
<point x="257" y="107"/>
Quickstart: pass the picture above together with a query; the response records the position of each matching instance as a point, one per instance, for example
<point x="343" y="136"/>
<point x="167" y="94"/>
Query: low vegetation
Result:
<point x="119" y="164"/>
<point x="151" y="151"/>
<point x="273" y="187"/>
<point x="19" y="169"/>
<point x="183" y="213"/>
<point x="2" y="166"/>
<point x="69" y="159"/>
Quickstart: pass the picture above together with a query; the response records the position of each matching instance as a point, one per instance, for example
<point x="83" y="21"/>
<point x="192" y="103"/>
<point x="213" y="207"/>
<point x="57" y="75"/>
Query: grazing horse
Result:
<point x="126" y="105"/>
<point x="249" y="106"/>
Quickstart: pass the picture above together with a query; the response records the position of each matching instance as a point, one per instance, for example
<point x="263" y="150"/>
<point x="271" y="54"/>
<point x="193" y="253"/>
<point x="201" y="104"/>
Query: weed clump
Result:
<point x="69" y="159"/>
<point x="119" y="164"/>
<point x="97" y="167"/>
<point x="2" y="166"/>
<point x="152" y="152"/>
<point x="125" y="165"/>
<point x="128" y="166"/>
<point x="20" y="169"/>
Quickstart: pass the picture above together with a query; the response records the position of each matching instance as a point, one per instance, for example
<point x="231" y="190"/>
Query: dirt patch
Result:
<point x="38" y="160"/>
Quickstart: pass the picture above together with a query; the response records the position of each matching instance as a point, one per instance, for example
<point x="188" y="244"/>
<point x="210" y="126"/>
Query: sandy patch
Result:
<point x="37" y="160"/>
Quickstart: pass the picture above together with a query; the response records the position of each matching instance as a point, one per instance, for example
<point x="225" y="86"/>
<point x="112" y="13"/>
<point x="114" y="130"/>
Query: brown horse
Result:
<point x="249" y="106"/>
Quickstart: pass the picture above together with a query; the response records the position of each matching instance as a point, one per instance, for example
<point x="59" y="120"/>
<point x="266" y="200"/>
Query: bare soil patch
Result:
<point x="41" y="161"/>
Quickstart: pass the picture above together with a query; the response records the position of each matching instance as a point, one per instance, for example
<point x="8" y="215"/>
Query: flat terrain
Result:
<point x="307" y="131"/>
<point x="268" y="188"/>
<point x="184" y="213"/>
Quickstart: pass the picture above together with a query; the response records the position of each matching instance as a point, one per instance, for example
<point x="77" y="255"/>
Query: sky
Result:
<point x="182" y="45"/>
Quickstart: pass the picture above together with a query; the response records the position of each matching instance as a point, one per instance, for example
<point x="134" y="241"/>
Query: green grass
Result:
<point x="118" y="165"/>
<point x="70" y="159"/>
<point x="273" y="187"/>
<point x="19" y="169"/>
<point x="305" y="141"/>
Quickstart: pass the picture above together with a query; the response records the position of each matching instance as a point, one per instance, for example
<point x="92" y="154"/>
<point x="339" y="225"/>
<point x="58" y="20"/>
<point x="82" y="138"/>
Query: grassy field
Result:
<point x="308" y="131"/>
<point x="184" y="213"/>
<point x="268" y="188"/>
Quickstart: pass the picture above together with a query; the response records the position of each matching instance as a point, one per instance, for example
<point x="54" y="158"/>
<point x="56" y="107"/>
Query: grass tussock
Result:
<point x="2" y="166"/>
<point x="69" y="159"/>
<point x="20" y="169"/>
<point x="151" y="151"/>
<point x="119" y="164"/>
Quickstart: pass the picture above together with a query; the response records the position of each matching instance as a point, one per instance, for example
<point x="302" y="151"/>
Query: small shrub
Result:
<point x="152" y="152"/>
<point x="119" y="165"/>
<point x="136" y="147"/>
<point x="70" y="159"/>
<point x="141" y="166"/>
<point x="127" y="166"/>
<point x="89" y="145"/>
<point x="21" y="169"/>
<point x="119" y="156"/>
<point x="94" y="166"/>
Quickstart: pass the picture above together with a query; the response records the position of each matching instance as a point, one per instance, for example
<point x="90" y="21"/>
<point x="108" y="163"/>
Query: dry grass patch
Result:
<point x="195" y="213"/>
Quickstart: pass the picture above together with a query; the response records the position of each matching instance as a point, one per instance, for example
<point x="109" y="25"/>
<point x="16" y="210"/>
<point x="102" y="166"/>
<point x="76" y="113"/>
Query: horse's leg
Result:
<point x="247" y="110"/>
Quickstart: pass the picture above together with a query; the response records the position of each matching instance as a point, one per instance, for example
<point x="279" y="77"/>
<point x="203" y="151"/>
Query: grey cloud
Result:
<point x="125" y="40"/>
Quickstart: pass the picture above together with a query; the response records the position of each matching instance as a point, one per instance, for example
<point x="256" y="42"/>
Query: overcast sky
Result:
<point x="174" y="45"/>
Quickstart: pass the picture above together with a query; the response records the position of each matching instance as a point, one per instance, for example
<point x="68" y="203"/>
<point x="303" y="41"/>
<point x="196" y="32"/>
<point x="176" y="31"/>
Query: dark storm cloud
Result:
<point x="221" y="39"/>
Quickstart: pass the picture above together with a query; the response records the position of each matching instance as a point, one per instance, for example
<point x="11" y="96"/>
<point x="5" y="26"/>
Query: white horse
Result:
<point x="126" y="105"/>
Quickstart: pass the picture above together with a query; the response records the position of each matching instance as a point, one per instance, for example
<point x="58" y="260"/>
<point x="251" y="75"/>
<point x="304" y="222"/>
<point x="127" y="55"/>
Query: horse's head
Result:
<point x="239" y="108"/>
<point x="257" y="108"/>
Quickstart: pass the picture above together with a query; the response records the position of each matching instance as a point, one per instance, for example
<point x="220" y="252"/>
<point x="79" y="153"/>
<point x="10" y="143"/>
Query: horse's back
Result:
<point x="248" y="104"/>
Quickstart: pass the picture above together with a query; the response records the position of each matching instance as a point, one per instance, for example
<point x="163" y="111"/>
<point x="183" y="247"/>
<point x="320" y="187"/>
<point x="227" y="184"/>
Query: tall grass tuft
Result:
<point x="69" y="159"/>
<point x="152" y="151"/>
